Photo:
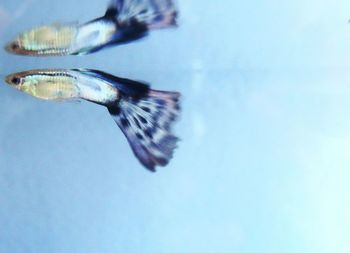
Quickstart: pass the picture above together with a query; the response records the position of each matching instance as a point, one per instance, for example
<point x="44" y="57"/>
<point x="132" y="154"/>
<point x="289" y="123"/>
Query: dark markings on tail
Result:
<point x="146" y="123"/>
<point x="153" y="14"/>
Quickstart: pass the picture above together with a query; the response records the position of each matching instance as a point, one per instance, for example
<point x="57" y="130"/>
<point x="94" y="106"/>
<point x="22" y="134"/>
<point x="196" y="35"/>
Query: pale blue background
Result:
<point x="264" y="162"/>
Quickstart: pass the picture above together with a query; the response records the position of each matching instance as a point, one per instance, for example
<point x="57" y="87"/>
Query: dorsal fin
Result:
<point x="111" y="12"/>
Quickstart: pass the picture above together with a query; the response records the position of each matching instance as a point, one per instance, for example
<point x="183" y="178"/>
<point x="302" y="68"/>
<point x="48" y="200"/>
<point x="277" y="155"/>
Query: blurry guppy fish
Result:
<point x="145" y="116"/>
<point x="123" y="22"/>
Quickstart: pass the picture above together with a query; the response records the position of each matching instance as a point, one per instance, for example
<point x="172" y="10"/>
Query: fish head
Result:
<point x="22" y="81"/>
<point x="13" y="46"/>
<point x="23" y="44"/>
<point x="18" y="46"/>
<point x="15" y="80"/>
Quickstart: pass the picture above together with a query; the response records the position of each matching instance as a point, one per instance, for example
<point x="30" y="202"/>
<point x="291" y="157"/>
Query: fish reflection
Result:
<point x="123" y="22"/>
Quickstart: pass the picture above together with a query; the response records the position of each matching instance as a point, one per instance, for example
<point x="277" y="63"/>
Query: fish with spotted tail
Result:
<point x="124" y="21"/>
<point x="144" y="115"/>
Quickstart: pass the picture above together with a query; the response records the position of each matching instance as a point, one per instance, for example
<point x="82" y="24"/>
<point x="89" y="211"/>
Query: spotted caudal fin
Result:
<point x="154" y="14"/>
<point x="146" y="122"/>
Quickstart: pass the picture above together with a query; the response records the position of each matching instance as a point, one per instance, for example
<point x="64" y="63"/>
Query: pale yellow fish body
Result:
<point x="51" y="35"/>
<point x="46" y="40"/>
<point x="58" y="84"/>
<point x="63" y="39"/>
<point x="53" y="88"/>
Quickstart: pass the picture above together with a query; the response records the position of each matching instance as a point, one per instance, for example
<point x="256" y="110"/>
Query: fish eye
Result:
<point x="14" y="46"/>
<point x="15" y="80"/>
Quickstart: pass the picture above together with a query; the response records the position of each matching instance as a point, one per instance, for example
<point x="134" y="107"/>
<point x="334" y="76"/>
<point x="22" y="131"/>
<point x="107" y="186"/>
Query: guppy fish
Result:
<point x="123" y="22"/>
<point x="145" y="116"/>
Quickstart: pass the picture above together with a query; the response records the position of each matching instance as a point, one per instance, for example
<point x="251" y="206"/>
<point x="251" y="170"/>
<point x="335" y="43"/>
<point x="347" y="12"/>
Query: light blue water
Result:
<point x="263" y="165"/>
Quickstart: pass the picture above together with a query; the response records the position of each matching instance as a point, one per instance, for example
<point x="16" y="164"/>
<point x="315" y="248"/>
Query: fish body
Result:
<point x="123" y="22"/>
<point x="145" y="116"/>
<point x="45" y="40"/>
<point x="61" y="84"/>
